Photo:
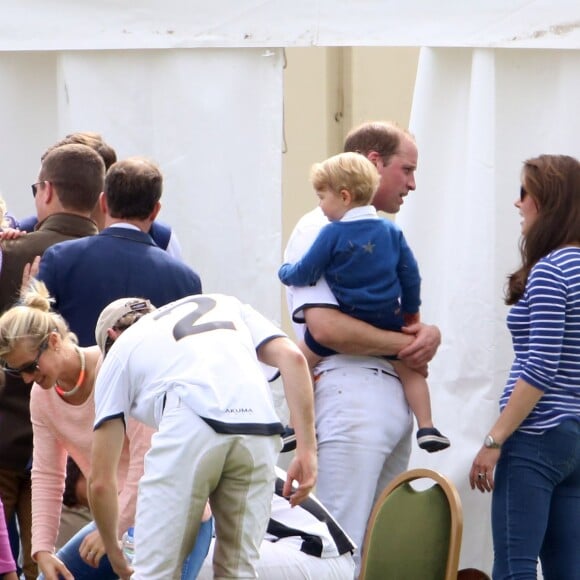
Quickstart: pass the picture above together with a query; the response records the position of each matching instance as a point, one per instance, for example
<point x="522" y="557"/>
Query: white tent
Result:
<point x="498" y="84"/>
<point x="477" y="114"/>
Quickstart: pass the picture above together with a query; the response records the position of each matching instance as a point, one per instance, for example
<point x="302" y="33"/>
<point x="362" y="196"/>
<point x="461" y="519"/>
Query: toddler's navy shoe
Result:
<point x="431" y="440"/>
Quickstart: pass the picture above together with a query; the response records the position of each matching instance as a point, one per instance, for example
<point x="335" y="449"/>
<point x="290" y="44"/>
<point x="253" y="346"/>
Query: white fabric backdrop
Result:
<point x="212" y="120"/>
<point x="477" y="114"/>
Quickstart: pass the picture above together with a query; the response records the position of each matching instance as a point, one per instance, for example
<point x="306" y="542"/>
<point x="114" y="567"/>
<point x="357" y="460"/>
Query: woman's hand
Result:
<point x="119" y="564"/>
<point x="206" y="513"/>
<point x="28" y="273"/>
<point x="52" y="567"/>
<point x="92" y="549"/>
<point x="481" y="474"/>
<point x="11" y="234"/>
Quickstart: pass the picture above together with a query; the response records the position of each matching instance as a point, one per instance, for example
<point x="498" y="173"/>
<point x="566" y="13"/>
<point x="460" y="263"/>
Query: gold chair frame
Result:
<point x="371" y="556"/>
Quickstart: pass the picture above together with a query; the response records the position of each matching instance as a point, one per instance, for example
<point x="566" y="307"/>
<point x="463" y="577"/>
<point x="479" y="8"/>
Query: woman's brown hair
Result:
<point x="553" y="182"/>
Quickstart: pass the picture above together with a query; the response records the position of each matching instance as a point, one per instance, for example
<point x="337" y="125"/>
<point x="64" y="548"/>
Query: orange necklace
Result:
<point x="80" y="380"/>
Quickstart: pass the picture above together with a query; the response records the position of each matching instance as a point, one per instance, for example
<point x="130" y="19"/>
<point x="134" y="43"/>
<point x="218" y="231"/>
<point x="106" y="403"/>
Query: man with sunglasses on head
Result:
<point x="65" y="192"/>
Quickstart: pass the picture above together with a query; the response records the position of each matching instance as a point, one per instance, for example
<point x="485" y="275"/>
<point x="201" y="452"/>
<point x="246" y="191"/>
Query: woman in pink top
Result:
<point x="37" y="344"/>
<point x="7" y="565"/>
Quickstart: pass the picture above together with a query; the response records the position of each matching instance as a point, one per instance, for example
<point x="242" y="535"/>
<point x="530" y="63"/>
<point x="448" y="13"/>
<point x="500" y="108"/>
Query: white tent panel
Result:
<point x="32" y="25"/>
<point x="477" y="115"/>
<point x="212" y="120"/>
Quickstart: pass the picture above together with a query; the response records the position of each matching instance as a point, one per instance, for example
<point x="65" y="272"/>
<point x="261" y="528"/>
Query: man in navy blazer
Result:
<point x="85" y="275"/>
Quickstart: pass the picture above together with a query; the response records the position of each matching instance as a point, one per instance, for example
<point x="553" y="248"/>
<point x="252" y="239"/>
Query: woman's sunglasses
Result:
<point x="28" y="368"/>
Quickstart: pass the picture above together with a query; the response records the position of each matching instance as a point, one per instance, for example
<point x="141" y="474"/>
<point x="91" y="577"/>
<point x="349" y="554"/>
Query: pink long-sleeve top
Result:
<point x="6" y="560"/>
<point x="62" y="429"/>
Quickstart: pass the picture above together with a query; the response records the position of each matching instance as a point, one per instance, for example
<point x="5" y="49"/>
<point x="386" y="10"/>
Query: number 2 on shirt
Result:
<point x="187" y="326"/>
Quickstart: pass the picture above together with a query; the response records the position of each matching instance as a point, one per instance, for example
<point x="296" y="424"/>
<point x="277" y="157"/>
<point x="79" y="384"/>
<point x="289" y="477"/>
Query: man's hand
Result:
<point x="52" y="567"/>
<point x="423" y="348"/>
<point x="303" y="469"/>
<point x="92" y="549"/>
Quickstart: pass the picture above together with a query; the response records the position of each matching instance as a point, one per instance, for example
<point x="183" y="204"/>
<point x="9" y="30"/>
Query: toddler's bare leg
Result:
<point x="417" y="393"/>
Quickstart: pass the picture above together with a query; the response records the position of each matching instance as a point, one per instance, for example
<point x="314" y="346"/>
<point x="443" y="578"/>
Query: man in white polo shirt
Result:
<point x="363" y="423"/>
<point x="191" y="370"/>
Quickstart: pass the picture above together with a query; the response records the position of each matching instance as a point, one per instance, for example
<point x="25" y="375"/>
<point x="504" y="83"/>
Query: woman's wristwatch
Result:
<point x="491" y="443"/>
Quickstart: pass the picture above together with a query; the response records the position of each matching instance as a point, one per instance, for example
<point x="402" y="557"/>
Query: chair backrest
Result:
<point x="414" y="534"/>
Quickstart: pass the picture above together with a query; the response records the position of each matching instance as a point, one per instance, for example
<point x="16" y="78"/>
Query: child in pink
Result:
<point x="7" y="565"/>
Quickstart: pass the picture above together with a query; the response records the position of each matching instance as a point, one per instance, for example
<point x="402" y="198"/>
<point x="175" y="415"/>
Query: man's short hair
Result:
<point x="380" y="136"/>
<point x="350" y="171"/>
<point x="132" y="188"/>
<point x="90" y="139"/>
<point x="77" y="174"/>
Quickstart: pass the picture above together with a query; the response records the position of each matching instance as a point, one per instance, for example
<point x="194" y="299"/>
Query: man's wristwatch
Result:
<point x="491" y="443"/>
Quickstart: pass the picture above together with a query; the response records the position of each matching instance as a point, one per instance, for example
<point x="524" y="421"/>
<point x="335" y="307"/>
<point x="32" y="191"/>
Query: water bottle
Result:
<point x="128" y="545"/>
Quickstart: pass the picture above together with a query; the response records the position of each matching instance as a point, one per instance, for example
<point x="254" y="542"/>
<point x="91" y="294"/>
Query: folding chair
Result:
<point x="414" y="534"/>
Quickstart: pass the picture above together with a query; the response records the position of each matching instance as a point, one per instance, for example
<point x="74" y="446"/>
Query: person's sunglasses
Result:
<point x="28" y="368"/>
<point x="34" y="187"/>
<point x="523" y="193"/>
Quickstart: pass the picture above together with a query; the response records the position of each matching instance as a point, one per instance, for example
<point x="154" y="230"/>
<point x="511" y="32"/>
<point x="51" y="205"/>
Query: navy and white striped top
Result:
<point x="545" y="329"/>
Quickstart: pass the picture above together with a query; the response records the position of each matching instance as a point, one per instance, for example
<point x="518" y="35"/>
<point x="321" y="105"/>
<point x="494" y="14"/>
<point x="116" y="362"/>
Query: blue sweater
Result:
<point x="545" y="329"/>
<point x="368" y="266"/>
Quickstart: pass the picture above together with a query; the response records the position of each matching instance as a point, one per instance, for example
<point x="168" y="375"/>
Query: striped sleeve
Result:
<point x="547" y="302"/>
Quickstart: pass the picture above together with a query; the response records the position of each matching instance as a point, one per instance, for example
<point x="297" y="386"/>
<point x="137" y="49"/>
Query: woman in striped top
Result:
<point x="534" y="445"/>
